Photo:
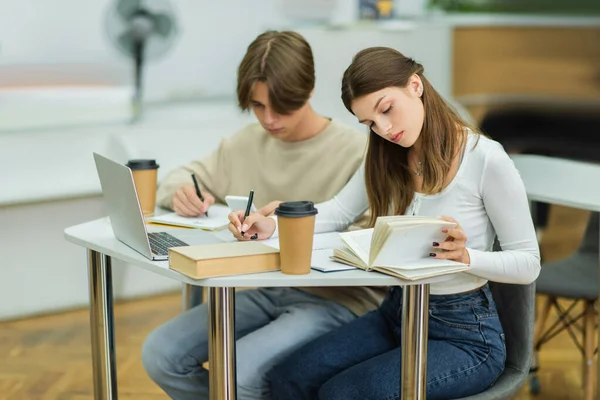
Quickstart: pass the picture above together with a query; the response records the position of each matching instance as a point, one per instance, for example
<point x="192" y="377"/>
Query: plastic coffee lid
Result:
<point x="296" y="209"/>
<point x="142" y="164"/>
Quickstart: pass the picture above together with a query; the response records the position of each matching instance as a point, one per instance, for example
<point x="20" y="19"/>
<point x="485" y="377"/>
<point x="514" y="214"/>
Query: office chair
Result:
<point x="576" y="279"/>
<point x="516" y="306"/>
<point x="567" y="182"/>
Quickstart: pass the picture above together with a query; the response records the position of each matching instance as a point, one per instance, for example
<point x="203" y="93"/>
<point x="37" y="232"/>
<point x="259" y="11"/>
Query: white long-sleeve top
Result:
<point x="487" y="198"/>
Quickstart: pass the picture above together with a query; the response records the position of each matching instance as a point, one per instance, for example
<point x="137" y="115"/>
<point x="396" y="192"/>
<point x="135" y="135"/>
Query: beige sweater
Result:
<point x="315" y="169"/>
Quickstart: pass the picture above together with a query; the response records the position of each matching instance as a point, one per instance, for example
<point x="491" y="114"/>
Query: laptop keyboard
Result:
<point x="161" y="241"/>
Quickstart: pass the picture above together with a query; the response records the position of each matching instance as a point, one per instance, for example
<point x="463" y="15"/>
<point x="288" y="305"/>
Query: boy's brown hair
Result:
<point x="284" y="62"/>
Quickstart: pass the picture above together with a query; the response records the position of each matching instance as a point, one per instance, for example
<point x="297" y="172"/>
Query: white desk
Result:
<point x="98" y="238"/>
<point x="559" y="181"/>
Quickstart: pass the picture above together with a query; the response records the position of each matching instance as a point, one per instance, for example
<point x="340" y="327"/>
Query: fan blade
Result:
<point x="126" y="8"/>
<point x="163" y="24"/>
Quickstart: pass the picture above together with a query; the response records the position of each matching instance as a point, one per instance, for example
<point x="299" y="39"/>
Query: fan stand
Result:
<point x="137" y="105"/>
<point x="141" y="34"/>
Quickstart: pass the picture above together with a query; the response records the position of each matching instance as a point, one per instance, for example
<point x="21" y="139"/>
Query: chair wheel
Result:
<point x="534" y="385"/>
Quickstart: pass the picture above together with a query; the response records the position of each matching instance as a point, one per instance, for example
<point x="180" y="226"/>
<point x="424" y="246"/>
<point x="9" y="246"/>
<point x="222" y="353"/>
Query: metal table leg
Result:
<point x="102" y="326"/>
<point x="186" y="296"/>
<point x="221" y="343"/>
<point x="415" y="318"/>
<point x="191" y="296"/>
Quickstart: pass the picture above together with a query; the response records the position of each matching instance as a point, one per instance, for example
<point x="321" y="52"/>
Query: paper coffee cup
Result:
<point x="145" y="177"/>
<point x="296" y="221"/>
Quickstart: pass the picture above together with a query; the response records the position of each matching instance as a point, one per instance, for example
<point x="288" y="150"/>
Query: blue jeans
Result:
<point x="361" y="360"/>
<point x="270" y="323"/>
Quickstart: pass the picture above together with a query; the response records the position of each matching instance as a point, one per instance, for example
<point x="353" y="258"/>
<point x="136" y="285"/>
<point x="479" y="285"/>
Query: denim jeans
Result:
<point x="270" y="323"/>
<point x="361" y="360"/>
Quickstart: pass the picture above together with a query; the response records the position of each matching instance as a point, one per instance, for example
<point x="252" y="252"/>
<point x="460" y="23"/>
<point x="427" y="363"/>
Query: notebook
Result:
<point x="217" y="219"/>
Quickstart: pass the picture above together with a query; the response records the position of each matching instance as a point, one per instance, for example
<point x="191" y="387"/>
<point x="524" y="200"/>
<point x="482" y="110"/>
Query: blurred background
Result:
<point x="84" y="76"/>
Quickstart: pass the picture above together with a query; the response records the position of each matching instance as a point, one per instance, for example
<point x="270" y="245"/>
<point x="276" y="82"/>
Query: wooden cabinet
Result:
<point x="495" y="66"/>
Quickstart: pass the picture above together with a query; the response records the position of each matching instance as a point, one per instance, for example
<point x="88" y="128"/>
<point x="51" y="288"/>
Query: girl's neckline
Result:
<point x="461" y="166"/>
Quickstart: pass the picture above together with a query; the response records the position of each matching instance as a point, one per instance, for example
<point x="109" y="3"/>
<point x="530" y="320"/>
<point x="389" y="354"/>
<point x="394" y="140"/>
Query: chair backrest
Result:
<point x="591" y="237"/>
<point x="516" y="307"/>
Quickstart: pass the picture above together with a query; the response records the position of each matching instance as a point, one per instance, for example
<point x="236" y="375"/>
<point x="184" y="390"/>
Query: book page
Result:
<point x="416" y="274"/>
<point x="380" y="233"/>
<point x="410" y="243"/>
<point x="386" y="225"/>
<point x="347" y="256"/>
<point x="359" y="242"/>
<point x="424" y="263"/>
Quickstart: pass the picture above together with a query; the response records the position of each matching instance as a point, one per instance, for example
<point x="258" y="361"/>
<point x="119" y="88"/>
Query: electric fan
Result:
<point x="142" y="30"/>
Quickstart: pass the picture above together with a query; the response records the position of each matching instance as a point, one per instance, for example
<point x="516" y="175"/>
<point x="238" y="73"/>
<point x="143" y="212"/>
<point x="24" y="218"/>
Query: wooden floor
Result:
<point x="49" y="357"/>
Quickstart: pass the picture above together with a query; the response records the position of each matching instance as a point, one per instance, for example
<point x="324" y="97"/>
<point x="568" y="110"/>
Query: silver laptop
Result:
<point x="127" y="219"/>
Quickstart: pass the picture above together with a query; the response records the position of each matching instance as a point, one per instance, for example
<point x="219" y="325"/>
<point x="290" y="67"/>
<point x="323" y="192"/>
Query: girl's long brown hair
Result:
<point x="389" y="180"/>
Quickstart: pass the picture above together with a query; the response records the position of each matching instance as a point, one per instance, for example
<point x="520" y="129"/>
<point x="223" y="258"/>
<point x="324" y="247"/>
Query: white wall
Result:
<point x="36" y="36"/>
<point x="50" y="173"/>
<point x="429" y="44"/>
<point x="42" y="272"/>
<point x="47" y="177"/>
<point x="52" y="184"/>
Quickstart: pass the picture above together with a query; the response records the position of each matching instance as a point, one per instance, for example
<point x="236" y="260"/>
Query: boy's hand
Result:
<point x="187" y="203"/>
<point x="269" y="209"/>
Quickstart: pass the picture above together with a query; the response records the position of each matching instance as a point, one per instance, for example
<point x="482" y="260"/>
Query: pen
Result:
<point x="249" y="205"/>
<point x="198" y="191"/>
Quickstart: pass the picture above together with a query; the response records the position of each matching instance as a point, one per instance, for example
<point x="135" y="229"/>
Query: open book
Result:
<point x="399" y="246"/>
<point x="218" y="218"/>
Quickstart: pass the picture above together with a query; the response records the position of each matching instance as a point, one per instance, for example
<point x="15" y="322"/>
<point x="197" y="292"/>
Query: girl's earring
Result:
<point x="420" y="91"/>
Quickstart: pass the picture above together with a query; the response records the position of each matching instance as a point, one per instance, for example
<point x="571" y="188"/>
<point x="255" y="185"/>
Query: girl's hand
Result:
<point x="256" y="226"/>
<point x="453" y="248"/>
